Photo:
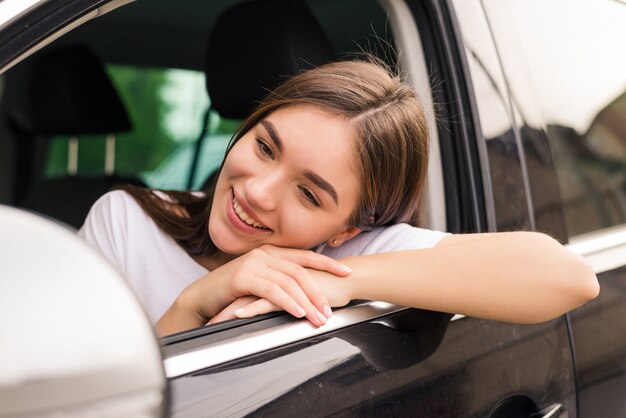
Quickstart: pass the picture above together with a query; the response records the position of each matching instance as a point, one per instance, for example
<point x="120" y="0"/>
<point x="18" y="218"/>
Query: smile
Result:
<point x="244" y="217"/>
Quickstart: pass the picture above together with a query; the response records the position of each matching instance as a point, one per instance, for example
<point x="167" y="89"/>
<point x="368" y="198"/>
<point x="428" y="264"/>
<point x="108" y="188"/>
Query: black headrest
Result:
<point x="72" y="95"/>
<point x="255" y="44"/>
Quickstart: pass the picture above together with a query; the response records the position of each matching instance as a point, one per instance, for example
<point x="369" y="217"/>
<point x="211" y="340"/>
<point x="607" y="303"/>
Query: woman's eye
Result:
<point x="264" y="148"/>
<point x="310" y="197"/>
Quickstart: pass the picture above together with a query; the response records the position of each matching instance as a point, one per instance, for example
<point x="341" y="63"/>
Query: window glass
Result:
<point x="503" y="156"/>
<point x="578" y="70"/>
<point x="166" y="108"/>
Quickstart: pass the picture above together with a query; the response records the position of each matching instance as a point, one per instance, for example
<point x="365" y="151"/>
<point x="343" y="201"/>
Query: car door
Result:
<point x="570" y="80"/>
<point x="374" y="358"/>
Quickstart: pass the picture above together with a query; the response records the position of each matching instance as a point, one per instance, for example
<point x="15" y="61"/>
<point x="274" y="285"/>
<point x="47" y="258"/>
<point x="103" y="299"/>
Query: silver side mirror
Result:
<point x="74" y="341"/>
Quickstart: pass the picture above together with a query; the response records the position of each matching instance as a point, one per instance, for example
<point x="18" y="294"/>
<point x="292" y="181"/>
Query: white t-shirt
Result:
<point x="158" y="269"/>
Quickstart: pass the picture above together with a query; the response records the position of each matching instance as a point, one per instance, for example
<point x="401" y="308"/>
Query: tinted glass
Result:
<point x="567" y="57"/>
<point x="499" y="134"/>
<point x="166" y="107"/>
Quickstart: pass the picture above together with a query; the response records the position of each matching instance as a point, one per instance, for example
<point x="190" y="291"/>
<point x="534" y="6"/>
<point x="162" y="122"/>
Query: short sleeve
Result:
<point x="105" y="227"/>
<point x="154" y="265"/>
<point x="398" y="237"/>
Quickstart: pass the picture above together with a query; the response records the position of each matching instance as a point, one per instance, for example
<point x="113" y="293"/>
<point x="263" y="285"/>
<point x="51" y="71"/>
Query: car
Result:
<point x="527" y="107"/>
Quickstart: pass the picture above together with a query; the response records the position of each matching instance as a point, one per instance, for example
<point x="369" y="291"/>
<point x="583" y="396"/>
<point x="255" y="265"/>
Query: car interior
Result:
<point x="110" y="102"/>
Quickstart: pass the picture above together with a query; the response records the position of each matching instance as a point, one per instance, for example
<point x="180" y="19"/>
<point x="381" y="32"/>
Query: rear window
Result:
<point x="166" y="108"/>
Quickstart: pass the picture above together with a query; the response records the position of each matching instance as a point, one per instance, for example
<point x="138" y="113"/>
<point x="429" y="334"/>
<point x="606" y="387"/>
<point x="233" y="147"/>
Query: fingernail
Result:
<point x="346" y="268"/>
<point x="321" y="318"/>
<point x="301" y="312"/>
<point x="240" y="312"/>
<point x="327" y="311"/>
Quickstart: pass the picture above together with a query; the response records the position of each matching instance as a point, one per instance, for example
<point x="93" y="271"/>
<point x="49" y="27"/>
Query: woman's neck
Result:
<point x="213" y="261"/>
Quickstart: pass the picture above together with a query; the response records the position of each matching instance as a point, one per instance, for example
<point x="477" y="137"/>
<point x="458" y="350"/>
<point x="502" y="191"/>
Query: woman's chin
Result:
<point x="228" y="245"/>
<point x="230" y="248"/>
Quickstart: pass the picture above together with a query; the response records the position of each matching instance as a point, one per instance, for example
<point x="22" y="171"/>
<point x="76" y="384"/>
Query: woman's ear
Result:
<point x="345" y="235"/>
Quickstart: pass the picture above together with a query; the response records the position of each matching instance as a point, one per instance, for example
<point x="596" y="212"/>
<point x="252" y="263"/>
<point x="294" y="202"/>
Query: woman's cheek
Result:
<point x="304" y="228"/>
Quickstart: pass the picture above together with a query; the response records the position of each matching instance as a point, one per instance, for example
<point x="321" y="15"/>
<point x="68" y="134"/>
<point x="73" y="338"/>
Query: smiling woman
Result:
<point x="334" y="160"/>
<point x="287" y="184"/>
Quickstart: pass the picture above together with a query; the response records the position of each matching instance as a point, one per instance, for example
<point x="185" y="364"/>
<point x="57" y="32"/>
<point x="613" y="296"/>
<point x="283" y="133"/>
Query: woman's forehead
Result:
<point x="311" y="129"/>
<point x="313" y="139"/>
<point x="303" y="120"/>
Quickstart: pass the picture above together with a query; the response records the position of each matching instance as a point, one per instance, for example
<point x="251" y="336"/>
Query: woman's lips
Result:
<point x="245" y="216"/>
<point x="236" y="212"/>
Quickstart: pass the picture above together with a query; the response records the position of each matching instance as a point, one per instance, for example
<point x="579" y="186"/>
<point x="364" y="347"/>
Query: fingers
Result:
<point x="229" y="311"/>
<point x="306" y="258"/>
<point x="309" y="286"/>
<point x="284" y="291"/>
<point x="280" y="276"/>
<point x="258" y="307"/>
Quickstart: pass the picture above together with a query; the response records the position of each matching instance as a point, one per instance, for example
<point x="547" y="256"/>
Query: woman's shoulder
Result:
<point x="402" y="237"/>
<point x="114" y="197"/>
<point x="385" y="239"/>
<point x="114" y="204"/>
<point x="116" y="212"/>
<point x="106" y="225"/>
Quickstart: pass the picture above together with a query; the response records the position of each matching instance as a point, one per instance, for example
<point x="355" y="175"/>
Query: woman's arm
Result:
<point x="522" y="277"/>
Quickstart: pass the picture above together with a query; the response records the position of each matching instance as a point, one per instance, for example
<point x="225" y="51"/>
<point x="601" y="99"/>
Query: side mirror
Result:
<point x="74" y="341"/>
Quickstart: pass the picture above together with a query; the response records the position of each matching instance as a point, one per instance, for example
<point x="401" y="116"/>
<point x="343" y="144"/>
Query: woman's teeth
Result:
<point x="245" y="217"/>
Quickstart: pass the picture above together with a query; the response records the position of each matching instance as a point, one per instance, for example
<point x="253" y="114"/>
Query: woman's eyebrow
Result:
<point x="322" y="184"/>
<point x="271" y="131"/>
<point x="313" y="177"/>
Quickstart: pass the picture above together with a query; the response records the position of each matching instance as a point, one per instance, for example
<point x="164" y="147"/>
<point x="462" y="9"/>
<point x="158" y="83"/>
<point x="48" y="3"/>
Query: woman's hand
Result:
<point x="240" y="303"/>
<point x="278" y="275"/>
<point x="337" y="290"/>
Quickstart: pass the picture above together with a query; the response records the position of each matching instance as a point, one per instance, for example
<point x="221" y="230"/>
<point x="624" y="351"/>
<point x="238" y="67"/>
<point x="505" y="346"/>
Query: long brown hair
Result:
<point x="391" y="143"/>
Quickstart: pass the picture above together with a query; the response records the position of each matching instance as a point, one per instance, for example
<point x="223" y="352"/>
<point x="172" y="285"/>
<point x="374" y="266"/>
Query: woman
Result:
<point x="333" y="160"/>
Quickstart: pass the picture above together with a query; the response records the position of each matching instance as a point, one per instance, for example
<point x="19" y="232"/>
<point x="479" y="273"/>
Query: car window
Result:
<point x="502" y="156"/>
<point x="161" y="84"/>
<point x="166" y="107"/>
<point x="579" y="76"/>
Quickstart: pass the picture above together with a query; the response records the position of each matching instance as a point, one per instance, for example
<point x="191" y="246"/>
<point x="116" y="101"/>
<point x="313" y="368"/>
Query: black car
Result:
<point x="527" y="106"/>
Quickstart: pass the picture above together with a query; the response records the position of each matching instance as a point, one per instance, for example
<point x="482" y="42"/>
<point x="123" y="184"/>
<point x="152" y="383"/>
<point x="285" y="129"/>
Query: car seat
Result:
<point x="72" y="95"/>
<point x="252" y="47"/>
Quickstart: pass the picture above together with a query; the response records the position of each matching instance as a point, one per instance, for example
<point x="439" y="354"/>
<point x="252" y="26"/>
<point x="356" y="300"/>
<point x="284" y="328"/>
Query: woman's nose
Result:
<point x="262" y="191"/>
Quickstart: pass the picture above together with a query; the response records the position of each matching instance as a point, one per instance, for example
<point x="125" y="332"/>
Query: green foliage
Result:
<point x="166" y="107"/>
<point x="143" y="148"/>
<point x="137" y="151"/>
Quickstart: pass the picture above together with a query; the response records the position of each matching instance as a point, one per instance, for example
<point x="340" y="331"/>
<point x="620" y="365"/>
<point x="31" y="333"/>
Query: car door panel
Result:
<point x="580" y="143"/>
<point x="405" y="364"/>
<point x="601" y="350"/>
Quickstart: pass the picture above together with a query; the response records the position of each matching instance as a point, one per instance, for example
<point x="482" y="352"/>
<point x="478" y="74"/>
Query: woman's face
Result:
<point x="291" y="181"/>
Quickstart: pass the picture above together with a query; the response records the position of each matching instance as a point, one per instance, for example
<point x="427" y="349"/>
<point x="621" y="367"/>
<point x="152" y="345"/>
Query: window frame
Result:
<point x="60" y="17"/>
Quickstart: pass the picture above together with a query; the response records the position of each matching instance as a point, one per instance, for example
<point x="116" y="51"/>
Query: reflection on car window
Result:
<point x="579" y="73"/>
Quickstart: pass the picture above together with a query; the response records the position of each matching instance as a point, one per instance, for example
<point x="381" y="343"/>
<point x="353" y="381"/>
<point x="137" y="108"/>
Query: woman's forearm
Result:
<point x="519" y="277"/>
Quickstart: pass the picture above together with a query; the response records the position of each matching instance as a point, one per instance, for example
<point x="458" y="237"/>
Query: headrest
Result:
<point x="72" y="95"/>
<point x="255" y="44"/>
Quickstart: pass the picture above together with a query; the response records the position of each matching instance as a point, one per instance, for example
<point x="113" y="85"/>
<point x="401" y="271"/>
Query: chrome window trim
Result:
<point x="604" y="249"/>
<point x="251" y="343"/>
